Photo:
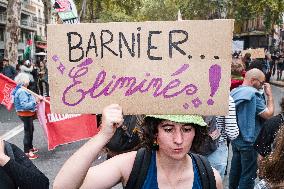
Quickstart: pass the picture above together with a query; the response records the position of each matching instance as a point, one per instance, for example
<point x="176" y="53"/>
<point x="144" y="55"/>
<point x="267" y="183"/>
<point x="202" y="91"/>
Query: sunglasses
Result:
<point x="261" y="82"/>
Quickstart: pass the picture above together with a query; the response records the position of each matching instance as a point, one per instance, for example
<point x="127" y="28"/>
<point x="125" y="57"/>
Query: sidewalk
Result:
<point x="273" y="81"/>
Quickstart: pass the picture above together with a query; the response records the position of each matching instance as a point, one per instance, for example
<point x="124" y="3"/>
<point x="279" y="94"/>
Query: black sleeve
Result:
<point x="24" y="173"/>
<point x="267" y="135"/>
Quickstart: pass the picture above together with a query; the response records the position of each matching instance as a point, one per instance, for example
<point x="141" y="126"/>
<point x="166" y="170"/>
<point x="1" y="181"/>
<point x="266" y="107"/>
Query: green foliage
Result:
<point x="143" y="10"/>
<point x="158" y="10"/>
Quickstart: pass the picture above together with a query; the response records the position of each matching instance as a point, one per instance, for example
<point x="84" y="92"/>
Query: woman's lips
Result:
<point x="178" y="150"/>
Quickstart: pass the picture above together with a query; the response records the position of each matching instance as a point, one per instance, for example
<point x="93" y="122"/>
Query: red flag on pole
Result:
<point x="65" y="128"/>
<point x="7" y="85"/>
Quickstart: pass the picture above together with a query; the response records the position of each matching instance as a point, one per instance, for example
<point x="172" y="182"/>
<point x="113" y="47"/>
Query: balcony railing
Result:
<point x="28" y="23"/>
<point x="28" y="6"/>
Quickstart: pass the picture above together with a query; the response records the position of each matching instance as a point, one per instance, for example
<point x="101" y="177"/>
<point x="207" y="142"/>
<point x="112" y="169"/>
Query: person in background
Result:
<point x="34" y="85"/>
<point x="265" y="139"/>
<point x="280" y="68"/>
<point x="25" y="105"/>
<point x="43" y="78"/>
<point x="228" y="127"/>
<point x="247" y="60"/>
<point x="266" y="68"/>
<point x="17" y="171"/>
<point x="170" y="165"/>
<point x="1" y="67"/>
<point x="28" y="68"/>
<point x="251" y="110"/>
<point x="8" y="70"/>
<point x="237" y="73"/>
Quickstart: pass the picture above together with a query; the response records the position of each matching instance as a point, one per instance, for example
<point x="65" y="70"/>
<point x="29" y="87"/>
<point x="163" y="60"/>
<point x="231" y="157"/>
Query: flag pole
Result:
<point x="36" y="95"/>
<point x="33" y="93"/>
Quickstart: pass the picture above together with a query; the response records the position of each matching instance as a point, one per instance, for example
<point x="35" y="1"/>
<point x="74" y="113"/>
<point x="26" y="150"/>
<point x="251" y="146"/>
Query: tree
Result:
<point x="158" y="10"/>
<point x="12" y="31"/>
<point x="47" y="13"/>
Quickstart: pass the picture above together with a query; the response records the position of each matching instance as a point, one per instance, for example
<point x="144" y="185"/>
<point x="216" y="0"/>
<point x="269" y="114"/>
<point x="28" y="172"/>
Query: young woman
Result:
<point x="172" y="166"/>
<point x="25" y="105"/>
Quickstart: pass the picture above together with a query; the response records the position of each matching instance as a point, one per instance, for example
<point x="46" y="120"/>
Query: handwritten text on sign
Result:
<point x="152" y="67"/>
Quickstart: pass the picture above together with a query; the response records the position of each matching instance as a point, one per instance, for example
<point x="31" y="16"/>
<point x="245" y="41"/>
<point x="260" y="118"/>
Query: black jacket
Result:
<point x="20" y="172"/>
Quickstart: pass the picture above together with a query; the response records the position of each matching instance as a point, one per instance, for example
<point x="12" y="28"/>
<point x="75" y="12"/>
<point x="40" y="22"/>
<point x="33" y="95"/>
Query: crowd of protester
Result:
<point x="38" y="74"/>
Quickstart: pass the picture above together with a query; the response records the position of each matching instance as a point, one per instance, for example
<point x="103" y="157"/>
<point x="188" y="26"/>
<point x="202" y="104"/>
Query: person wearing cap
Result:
<point x="170" y="166"/>
<point x="8" y="70"/>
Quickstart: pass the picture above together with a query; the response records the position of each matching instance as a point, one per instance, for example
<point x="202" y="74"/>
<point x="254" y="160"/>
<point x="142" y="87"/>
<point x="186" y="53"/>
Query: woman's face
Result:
<point x="175" y="139"/>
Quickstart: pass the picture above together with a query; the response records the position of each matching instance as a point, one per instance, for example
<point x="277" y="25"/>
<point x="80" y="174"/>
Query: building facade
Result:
<point x="253" y="33"/>
<point x="32" y="26"/>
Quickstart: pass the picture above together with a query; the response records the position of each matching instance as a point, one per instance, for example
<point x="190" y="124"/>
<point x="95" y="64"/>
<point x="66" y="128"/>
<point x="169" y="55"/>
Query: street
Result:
<point x="49" y="162"/>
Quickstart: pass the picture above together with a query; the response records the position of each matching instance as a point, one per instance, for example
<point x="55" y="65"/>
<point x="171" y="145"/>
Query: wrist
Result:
<point x="3" y="160"/>
<point x="103" y="138"/>
<point x="270" y="98"/>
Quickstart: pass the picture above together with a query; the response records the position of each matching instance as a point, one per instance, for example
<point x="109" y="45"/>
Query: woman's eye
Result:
<point x="186" y="129"/>
<point x="168" y="130"/>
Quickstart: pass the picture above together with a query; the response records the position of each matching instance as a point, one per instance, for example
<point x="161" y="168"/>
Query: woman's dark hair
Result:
<point x="282" y="104"/>
<point x="150" y="129"/>
<point x="271" y="168"/>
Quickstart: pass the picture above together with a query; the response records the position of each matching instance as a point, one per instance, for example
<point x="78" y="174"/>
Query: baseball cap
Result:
<point x="194" y="119"/>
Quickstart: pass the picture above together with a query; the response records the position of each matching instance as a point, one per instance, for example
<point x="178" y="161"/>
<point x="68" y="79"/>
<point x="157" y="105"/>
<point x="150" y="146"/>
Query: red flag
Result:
<point x="7" y="85"/>
<point x="65" y="128"/>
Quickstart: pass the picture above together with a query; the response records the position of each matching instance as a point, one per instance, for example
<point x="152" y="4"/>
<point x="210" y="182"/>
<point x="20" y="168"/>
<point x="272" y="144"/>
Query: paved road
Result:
<point x="51" y="161"/>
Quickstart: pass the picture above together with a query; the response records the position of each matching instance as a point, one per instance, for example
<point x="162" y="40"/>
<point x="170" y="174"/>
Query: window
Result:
<point x="2" y="31"/>
<point x="22" y="37"/>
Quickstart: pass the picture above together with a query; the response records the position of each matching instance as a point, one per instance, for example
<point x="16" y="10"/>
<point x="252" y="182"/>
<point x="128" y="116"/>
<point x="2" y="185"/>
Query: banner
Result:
<point x="162" y="67"/>
<point x="65" y="128"/>
<point x="66" y="10"/>
<point x="7" y="85"/>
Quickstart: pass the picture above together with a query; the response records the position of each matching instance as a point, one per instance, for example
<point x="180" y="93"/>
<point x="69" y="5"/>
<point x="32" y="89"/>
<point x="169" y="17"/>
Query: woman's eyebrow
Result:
<point x="167" y="124"/>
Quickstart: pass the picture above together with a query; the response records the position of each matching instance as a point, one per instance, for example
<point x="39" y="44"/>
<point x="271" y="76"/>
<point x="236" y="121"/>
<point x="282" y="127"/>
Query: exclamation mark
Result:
<point x="214" y="80"/>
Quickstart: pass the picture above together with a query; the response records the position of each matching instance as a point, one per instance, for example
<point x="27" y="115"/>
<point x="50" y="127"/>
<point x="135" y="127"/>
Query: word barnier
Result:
<point x="100" y="42"/>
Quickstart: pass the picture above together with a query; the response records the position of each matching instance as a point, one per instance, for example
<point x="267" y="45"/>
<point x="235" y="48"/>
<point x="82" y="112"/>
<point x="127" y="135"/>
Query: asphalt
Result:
<point x="273" y="81"/>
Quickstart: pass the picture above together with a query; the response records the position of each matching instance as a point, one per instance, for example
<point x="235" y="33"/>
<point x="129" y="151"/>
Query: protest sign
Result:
<point x="238" y="45"/>
<point x="147" y="67"/>
<point x="66" y="10"/>
<point x="255" y="53"/>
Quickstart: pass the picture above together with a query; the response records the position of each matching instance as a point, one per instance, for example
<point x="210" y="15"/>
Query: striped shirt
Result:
<point x="227" y="125"/>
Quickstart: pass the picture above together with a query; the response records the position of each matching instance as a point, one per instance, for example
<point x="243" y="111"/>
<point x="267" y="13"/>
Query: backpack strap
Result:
<point x="205" y="170"/>
<point x="139" y="169"/>
<point x="8" y="150"/>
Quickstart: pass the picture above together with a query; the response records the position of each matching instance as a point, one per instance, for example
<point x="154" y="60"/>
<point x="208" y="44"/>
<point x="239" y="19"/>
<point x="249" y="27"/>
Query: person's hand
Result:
<point x="267" y="89"/>
<point x="3" y="157"/>
<point x="112" y="118"/>
<point x="215" y="134"/>
<point x="39" y="99"/>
